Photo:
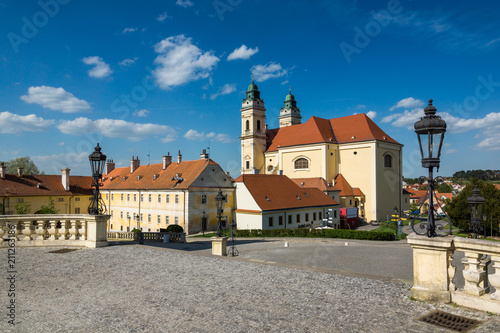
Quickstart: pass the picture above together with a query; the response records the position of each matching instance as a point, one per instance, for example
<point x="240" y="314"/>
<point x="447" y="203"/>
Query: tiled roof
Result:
<point x="277" y="192"/>
<point x="357" y="192"/>
<point x="344" y="186"/>
<point x="355" y="128"/>
<point x="497" y="186"/>
<point x="405" y="191"/>
<point x="316" y="182"/>
<point x="176" y="175"/>
<point x="30" y="185"/>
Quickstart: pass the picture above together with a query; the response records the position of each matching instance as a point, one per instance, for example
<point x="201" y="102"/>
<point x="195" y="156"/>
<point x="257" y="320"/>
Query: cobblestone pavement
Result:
<point x="152" y="289"/>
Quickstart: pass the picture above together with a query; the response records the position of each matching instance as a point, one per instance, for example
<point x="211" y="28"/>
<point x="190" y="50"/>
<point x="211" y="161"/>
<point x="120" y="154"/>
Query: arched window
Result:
<point x="258" y="125"/>
<point x="301" y="163"/>
<point x="387" y="161"/>
<point x="247" y="125"/>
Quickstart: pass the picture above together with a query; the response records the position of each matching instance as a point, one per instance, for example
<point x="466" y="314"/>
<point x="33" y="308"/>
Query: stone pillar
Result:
<point x="72" y="230"/>
<point x="495" y="278"/>
<point x="39" y="231"/>
<point x="26" y="232"/>
<point x="63" y="230"/>
<point x="97" y="230"/>
<point x="431" y="261"/>
<point x="52" y="230"/>
<point x="219" y="246"/>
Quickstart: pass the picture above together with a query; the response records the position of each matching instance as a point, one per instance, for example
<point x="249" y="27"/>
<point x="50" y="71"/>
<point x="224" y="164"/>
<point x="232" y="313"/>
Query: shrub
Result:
<point x="174" y="228"/>
<point x="325" y="233"/>
<point x="136" y="230"/>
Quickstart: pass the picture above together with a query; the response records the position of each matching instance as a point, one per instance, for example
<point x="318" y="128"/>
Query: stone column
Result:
<point x="72" y="230"/>
<point x="97" y="230"/>
<point x="63" y="230"/>
<point x="219" y="246"/>
<point x="26" y="232"/>
<point x="39" y="231"/>
<point x="52" y="230"/>
<point x="431" y="262"/>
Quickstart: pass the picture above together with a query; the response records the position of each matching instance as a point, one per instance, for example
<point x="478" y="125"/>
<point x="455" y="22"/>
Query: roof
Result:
<point x="497" y="186"/>
<point x="357" y="192"/>
<point x="176" y="175"/>
<point x="42" y="185"/>
<point x="316" y="182"/>
<point x="405" y="192"/>
<point x="277" y="192"/>
<point x="355" y="128"/>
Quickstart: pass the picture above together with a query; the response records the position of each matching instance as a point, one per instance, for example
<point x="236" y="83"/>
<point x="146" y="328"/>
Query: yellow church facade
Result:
<point x="353" y="146"/>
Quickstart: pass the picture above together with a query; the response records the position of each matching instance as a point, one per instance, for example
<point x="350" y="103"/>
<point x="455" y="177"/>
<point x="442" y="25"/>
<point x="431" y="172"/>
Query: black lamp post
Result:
<point x="97" y="162"/>
<point x="476" y="204"/>
<point x="219" y="200"/>
<point x="430" y="130"/>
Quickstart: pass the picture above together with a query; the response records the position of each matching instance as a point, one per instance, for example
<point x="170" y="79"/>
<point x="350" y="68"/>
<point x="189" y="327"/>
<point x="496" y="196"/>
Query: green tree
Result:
<point x="444" y="188"/>
<point x="48" y="209"/>
<point x="413" y="207"/>
<point x="23" y="208"/>
<point x="29" y="167"/>
<point x="459" y="213"/>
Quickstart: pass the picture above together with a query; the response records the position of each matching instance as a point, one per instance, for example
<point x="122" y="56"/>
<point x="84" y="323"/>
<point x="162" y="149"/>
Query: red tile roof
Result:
<point x="176" y="175"/>
<point x="357" y="192"/>
<point x="347" y="129"/>
<point x="277" y="192"/>
<point x="41" y="185"/>
<point x="316" y="182"/>
<point x="344" y="186"/>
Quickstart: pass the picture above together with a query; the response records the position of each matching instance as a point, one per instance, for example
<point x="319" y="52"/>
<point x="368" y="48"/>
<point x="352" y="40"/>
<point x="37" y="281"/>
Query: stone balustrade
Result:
<point x="53" y="230"/>
<point x="173" y="237"/>
<point x="434" y="272"/>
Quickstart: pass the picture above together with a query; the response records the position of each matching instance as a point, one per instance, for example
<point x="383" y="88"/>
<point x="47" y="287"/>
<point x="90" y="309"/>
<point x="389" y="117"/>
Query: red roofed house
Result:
<point x="276" y="202"/>
<point x="353" y="146"/>
<point x="150" y="197"/>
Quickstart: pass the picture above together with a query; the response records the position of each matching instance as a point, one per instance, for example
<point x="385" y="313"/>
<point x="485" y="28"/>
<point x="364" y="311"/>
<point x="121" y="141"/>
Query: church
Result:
<point x="351" y="154"/>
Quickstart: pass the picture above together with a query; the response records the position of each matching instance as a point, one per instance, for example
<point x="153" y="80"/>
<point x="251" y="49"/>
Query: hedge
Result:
<point x="317" y="233"/>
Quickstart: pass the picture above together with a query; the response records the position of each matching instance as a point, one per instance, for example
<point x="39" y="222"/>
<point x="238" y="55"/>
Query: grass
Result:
<point x="211" y="234"/>
<point x="388" y="226"/>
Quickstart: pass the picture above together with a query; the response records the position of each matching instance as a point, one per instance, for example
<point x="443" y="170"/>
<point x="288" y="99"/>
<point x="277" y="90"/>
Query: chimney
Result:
<point x="167" y="160"/>
<point x="179" y="157"/>
<point x="110" y="166"/>
<point x="228" y="173"/>
<point x="20" y="172"/>
<point x="2" y="170"/>
<point x="204" y="155"/>
<point x="65" y="178"/>
<point x="134" y="164"/>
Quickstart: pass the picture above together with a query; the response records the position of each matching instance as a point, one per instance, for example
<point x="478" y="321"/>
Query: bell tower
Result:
<point x="289" y="113"/>
<point x="253" y="131"/>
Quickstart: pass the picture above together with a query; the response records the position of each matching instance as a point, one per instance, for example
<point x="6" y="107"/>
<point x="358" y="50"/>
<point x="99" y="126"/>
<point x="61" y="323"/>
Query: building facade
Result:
<point x="353" y="146"/>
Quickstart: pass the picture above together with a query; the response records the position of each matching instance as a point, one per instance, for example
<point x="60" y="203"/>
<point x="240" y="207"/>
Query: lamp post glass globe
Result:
<point x="97" y="162"/>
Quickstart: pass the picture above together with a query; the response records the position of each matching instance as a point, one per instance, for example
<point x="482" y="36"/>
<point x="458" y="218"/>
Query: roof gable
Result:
<point x="344" y="186"/>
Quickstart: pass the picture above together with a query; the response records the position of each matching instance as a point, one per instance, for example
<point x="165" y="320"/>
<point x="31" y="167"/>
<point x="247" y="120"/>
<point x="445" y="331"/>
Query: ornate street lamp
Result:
<point x="430" y="130"/>
<point x="233" y="251"/>
<point x="97" y="162"/>
<point x="476" y="204"/>
<point x="219" y="200"/>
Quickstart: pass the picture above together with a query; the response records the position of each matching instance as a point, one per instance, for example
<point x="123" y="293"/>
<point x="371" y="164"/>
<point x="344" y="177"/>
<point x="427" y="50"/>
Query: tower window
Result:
<point x="258" y="125"/>
<point x="387" y="161"/>
<point x="248" y="165"/>
<point x="301" y="163"/>
<point x="247" y="125"/>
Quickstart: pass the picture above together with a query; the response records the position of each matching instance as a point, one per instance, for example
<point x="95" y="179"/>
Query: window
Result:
<point x="271" y="221"/>
<point x="301" y="163"/>
<point x="307" y="217"/>
<point x="298" y="218"/>
<point x="60" y="199"/>
<point x="176" y="220"/>
<point x="320" y="215"/>
<point x="387" y="161"/>
<point x="121" y="228"/>
<point x="149" y="229"/>
<point x="121" y="215"/>
<point x="111" y="227"/>
<point x="176" y="198"/>
<point x="335" y="213"/>
<point x="248" y="164"/>
<point x="258" y="125"/>
<point x="149" y="197"/>
<point x="314" y="216"/>
<point x="142" y="197"/>
<point x="159" y="219"/>
<point x="128" y="215"/>
<point x="149" y="218"/>
<point x="289" y="219"/>
<point x="350" y="202"/>
<point x="135" y="197"/>
<point x="247" y="125"/>
<point x="78" y="199"/>
<point x="406" y="200"/>
<point x="112" y="213"/>
<point x="128" y="229"/>
<point x="121" y="197"/>
<point x="112" y="196"/>
<point x="167" y="219"/>
<point x="159" y="197"/>
<point x="203" y="199"/>
<point x="167" y="197"/>
<point x="280" y="220"/>
<point x="142" y="218"/>
<point x="128" y="197"/>
<point x="106" y="196"/>
<point x="77" y="210"/>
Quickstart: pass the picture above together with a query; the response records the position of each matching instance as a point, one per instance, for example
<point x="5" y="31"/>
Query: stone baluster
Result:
<point x="2" y="232"/>
<point x="495" y="278"/>
<point x="73" y="233"/>
<point x="17" y="230"/>
<point x="451" y="271"/>
<point x="63" y="230"/>
<point x="25" y="233"/>
<point x="82" y="232"/>
<point x="52" y="230"/>
<point x="39" y="233"/>
<point x="483" y="264"/>
<point x="473" y="274"/>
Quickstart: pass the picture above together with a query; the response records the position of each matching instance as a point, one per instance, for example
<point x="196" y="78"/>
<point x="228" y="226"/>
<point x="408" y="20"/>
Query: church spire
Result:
<point x="290" y="113"/>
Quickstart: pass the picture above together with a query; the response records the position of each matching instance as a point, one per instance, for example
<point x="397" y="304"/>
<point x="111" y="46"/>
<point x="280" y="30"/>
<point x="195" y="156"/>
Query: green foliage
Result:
<point x="316" y="233"/>
<point x="23" y="208"/>
<point x="410" y="181"/>
<point x="29" y="167"/>
<point x="477" y="174"/>
<point x="459" y="213"/>
<point x="48" y="209"/>
<point x="135" y="230"/>
<point x="423" y="188"/>
<point x="413" y="207"/>
<point x="174" y="228"/>
<point x="443" y="188"/>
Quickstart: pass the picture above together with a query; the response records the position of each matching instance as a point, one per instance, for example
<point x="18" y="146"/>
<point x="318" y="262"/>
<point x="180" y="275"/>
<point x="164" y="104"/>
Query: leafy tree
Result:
<point x="49" y="209"/>
<point x="423" y="188"/>
<point x="444" y="188"/>
<point x="459" y="213"/>
<point x="22" y="162"/>
<point x="23" y="208"/>
<point x="413" y="207"/>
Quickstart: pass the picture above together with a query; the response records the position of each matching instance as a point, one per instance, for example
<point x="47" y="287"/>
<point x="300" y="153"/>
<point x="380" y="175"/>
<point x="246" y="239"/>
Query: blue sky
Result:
<point x="151" y="77"/>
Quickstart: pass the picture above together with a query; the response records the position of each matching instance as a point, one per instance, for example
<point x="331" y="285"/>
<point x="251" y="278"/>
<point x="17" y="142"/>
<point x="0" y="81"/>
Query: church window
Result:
<point x="387" y="161"/>
<point x="301" y="163"/>
<point x="247" y="125"/>
<point x="248" y="165"/>
<point x="258" y="125"/>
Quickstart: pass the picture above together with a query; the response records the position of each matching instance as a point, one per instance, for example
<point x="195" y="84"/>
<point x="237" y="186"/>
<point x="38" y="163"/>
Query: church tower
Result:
<point x="253" y="131"/>
<point x="290" y="113"/>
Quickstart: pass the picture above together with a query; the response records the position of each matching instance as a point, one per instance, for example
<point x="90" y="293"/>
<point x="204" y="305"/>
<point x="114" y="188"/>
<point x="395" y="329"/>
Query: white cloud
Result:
<point x="371" y="114"/>
<point x="141" y="113"/>
<point x="269" y="71"/>
<point x="360" y="107"/>
<point x="195" y="135"/>
<point x="100" y="70"/>
<point x="407" y="103"/>
<point x="114" y="128"/>
<point x="128" y="62"/>
<point x="224" y="90"/>
<point x="11" y="123"/>
<point x="180" y="62"/>
<point x="162" y="17"/>
<point x="128" y="30"/>
<point x="56" y="99"/>
<point x="243" y="52"/>
<point x="52" y="164"/>
<point x="184" y="3"/>
<point x="451" y="151"/>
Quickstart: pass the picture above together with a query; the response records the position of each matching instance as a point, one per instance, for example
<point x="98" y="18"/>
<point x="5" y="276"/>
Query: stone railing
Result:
<point x="173" y="237"/>
<point x="53" y="230"/>
<point x="434" y="272"/>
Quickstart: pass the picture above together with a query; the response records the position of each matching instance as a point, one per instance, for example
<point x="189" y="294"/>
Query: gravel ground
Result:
<point x="151" y="289"/>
